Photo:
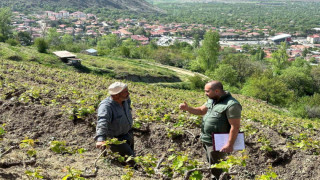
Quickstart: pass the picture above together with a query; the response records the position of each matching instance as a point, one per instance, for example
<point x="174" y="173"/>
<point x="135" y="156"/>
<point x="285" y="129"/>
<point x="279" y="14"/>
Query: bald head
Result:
<point x="215" y="85"/>
<point x="214" y="90"/>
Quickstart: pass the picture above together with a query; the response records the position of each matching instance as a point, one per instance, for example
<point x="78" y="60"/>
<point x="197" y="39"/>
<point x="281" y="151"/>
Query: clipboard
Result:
<point x="221" y="139"/>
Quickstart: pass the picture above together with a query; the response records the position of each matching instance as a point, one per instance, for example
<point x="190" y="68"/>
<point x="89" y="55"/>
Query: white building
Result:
<point x="280" y="38"/>
<point x="314" y="38"/>
<point x="78" y="14"/>
<point x="64" y="14"/>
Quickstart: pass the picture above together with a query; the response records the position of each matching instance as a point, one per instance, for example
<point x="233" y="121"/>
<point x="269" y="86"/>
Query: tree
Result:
<point x="209" y="51"/>
<point x="53" y="37"/>
<point x="196" y="41"/>
<point x="298" y="79"/>
<point x="305" y="52"/>
<point x="107" y="43"/>
<point x="5" y="23"/>
<point x="226" y="74"/>
<point x="244" y="67"/>
<point x="139" y="31"/>
<point x="300" y="62"/>
<point x="67" y="39"/>
<point x="25" y="38"/>
<point x="41" y="44"/>
<point x="313" y="60"/>
<point x="268" y="89"/>
<point x="246" y="47"/>
<point x="315" y="74"/>
<point x="259" y="54"/>
<point x="279" y="59"/>
<point x="2" y="38"/>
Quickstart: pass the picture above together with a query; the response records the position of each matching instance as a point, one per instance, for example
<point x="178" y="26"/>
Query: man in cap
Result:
<point x="115" y="120"/>
<point x="222" y="114"/>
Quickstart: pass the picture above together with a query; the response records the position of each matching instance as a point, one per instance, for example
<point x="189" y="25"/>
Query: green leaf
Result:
<point x="196" y="175"/>
<point x="66" y="177"/>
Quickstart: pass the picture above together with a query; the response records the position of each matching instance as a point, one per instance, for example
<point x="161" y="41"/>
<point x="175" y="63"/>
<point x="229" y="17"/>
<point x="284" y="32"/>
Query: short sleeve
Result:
<point x="234" y="111"/>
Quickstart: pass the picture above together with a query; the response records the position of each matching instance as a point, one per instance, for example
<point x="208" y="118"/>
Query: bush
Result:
<point x="179" y="85"/>
<point x="197" y="82"/>
<point x="307" y="106"/>
<point x="124" y="51"/>
<point x="313" y="112"/>
<point x="2" y="38"/>
<point x="12" y="42"/>
<point x="162" y="57"/>
<point x="42" y="45"/>
<point x="268" y="89"/>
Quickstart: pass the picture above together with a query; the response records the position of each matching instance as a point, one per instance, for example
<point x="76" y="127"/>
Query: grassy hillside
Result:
<point x="43" y="103"/>
<point x="134" y="70"/>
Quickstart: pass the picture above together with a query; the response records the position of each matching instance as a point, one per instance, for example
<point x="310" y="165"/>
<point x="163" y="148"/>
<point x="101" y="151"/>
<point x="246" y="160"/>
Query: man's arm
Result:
<point x="202" y="110"/>
<point x="233" y="114"/>
<point x="233" y="134"/>
<point x="104" y="118"/>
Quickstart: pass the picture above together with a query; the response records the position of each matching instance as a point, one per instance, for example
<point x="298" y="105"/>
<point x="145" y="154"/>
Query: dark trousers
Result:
<point x="213" y="157"/>
<point x="125" y="148"/>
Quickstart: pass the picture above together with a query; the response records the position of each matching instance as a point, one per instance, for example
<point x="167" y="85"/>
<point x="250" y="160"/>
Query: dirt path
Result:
<point x="179" y="70"/>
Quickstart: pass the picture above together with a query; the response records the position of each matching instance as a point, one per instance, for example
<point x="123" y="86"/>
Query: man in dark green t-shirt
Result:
<point x="222" y="114"/>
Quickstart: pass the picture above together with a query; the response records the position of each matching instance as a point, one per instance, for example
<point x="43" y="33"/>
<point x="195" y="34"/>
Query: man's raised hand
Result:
<point x="184" y="106"/>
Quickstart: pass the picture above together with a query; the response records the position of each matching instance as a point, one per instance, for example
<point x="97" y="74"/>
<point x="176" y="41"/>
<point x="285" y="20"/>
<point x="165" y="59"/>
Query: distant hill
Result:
<point x="226" y="1"/>
<point x="132" y="5"/>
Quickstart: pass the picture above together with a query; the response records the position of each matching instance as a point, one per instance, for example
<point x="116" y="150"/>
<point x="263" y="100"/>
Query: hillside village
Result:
<point x="81" y="25"/>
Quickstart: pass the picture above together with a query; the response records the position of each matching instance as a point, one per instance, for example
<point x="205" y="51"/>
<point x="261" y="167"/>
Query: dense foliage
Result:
<point x="281" y="16"/>
<point x="29" y="6"/>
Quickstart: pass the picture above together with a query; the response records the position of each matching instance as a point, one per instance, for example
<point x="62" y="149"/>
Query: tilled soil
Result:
<point x="46" y="124"/>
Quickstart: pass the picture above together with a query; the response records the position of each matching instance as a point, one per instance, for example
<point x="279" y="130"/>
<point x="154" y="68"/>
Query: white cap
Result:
<point x="116" y="88"/>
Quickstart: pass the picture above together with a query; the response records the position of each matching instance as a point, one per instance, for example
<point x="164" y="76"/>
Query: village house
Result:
<point x="78" y="15"/>
<point x="141" y="38"/>
<point x="78" y="31"/>
<point x="48" y="13"/>
<point x="294" y="53"/>
<point x="65" y="14"/>
<point x="91" y="16"/>
<point x="229" y="35"/>
<point x="142" y="23"/>
<point x="124" y="33"/>
<point x="253" y="34"/>
<point x="91" y="52"/>
<point x="315" y="38"/>
<point x="69" y="30"/>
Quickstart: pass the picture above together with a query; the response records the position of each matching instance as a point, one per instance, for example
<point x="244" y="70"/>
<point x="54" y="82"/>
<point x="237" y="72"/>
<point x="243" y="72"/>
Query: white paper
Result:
<point x="222" y="139"/>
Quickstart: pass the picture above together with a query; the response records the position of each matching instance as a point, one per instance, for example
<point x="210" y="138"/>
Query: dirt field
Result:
<point x="47" y="124"/>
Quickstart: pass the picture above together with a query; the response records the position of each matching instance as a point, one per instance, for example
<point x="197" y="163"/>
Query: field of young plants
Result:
<point x="47" y="125"/>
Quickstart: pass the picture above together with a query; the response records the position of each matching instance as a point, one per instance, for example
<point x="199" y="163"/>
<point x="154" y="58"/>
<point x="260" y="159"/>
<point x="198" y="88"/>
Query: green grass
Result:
<point x="120" y="68"/>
